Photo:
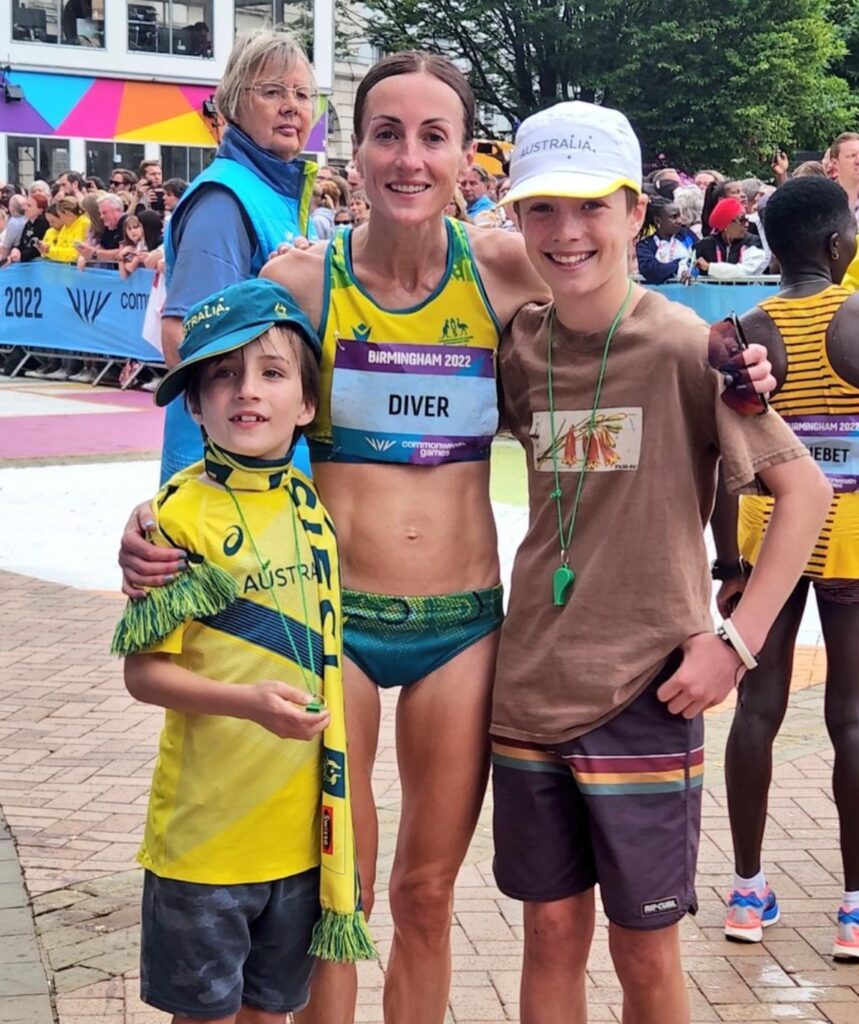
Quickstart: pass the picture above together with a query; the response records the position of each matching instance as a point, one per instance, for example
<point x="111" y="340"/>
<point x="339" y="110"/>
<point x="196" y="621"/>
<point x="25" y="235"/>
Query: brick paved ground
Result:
<point x="75" y="759"/>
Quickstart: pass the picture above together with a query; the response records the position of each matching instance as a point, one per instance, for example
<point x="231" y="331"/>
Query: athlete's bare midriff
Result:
<point x="412" y="530"/>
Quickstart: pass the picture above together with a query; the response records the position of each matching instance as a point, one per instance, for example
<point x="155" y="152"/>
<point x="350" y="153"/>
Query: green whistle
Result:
<point x="562" y="581"/>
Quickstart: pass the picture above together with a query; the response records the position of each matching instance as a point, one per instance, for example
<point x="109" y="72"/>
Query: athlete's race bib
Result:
<point x="834" y="445"/>
<point x="419" y="404"/>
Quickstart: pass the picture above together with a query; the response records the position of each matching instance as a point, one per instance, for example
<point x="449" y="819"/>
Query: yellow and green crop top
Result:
<point x="414" y="386"/>
<point x="823" y="411"/>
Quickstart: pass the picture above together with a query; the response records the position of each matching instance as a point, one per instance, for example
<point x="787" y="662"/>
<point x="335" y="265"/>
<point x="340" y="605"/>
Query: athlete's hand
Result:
<point x="707" y="674"/>
<point x="760" y="369"/>
<point x="281" y="709"/>
<point x="299" y="242"/>
<point x="729" y="594"/>
<point x="143" y="563"/>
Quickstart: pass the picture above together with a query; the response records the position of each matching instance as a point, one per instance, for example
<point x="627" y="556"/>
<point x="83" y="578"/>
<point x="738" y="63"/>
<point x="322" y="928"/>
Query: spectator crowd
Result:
<point x="86" y="222"/>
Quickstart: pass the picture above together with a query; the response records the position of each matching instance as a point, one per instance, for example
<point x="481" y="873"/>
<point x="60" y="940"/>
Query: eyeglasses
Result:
<point x="117" y="184"/>
<point x="276" y="94"/>
<point x="725" y="349"/>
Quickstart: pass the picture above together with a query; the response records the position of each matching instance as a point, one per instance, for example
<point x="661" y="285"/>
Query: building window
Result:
<point x="297" y="16"/>
<point x="29" y="158"/>
<point x="67" y="22"/>
<point x="185" y="162"/>
<point x="102" y="158"/>
<point x="167" y="26"/>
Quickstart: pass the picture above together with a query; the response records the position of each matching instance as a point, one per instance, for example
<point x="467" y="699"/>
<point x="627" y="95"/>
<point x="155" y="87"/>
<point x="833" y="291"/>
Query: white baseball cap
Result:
<point x="577" y="150"/>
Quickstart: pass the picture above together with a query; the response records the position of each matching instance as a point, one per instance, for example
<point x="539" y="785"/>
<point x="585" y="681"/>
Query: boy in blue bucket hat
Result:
<point x="248" y="847"/>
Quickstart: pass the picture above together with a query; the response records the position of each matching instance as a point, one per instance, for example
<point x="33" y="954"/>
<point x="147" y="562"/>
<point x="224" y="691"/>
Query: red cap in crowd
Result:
<point x="724" y="212"/>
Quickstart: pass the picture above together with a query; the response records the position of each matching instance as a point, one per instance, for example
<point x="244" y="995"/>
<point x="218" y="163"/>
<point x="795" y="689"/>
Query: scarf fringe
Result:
<point x="343" y="938"/>
<point x="203" y="589"/>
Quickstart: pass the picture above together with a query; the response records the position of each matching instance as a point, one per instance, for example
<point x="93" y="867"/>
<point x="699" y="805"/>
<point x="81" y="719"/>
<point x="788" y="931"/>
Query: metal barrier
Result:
<point x="56" y="308"/>
<point x="714" y="300"/>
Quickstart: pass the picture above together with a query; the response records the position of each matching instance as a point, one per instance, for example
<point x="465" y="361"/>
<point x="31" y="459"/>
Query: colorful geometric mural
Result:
<point x="118" y="110"/>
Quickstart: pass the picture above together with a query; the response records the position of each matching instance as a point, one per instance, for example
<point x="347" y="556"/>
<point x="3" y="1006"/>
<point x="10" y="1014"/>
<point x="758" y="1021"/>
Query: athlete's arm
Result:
<point x="508" y="277"/>
<point x="143" y="563"/>
<point x="302" y="273"/>
<point x="841" y="346"/>
<point x="276" y="706"/>
<point x="723" y="523"/>
<point x="759" y="329"/>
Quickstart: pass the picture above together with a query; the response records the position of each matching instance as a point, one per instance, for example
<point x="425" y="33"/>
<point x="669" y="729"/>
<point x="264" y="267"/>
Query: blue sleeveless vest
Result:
<point x="275" y="216"/>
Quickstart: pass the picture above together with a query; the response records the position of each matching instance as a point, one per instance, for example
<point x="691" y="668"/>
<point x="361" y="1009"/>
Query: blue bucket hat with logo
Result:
<point x="230" y="319"/>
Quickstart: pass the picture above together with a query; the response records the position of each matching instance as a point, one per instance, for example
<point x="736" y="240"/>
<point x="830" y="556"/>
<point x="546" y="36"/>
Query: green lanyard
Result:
<point x="310" y="684"/>
<point x="564" y="577"/>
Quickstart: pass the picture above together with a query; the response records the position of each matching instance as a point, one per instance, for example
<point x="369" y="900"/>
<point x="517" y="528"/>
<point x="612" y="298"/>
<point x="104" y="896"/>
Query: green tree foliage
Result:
<point x="844" y="14"/>
<point x="725" y="82"/>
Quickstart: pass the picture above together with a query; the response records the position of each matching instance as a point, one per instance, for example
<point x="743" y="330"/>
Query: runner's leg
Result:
<point x="840" y="624"/>
<point x="557" y="942"/>
<point x="334" y="988"/>
<point x="651" y="974"/>
<point x="443" y="755"/>
<point x="761" y="706"/>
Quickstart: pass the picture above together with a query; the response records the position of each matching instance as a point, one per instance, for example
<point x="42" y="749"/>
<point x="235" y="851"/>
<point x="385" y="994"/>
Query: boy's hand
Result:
<point x="281" y="709"/>
<point x="759" y="368"/>
<point x="707" y="674"/>
<point x="143" y="563"/>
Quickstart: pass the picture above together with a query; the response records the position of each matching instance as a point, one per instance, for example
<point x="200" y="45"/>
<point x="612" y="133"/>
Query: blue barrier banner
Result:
<point x="51" y="305"/>
<point x="714" y="302"/>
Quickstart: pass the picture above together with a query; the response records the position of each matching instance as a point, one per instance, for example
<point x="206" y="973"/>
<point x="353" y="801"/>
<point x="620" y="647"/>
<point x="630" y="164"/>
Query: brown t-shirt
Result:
<point x="642" y="581"/>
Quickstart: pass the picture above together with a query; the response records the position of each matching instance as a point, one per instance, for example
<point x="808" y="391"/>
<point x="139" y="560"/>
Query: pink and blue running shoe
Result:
<point x="847" y="937"/>
<point x="749" y="912"/>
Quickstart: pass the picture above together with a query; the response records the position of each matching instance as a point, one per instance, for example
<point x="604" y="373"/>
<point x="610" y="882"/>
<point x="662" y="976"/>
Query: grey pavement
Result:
<point x="76" y="756"/>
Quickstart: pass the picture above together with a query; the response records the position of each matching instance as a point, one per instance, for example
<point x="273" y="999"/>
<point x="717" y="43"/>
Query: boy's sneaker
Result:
<point x="847" y="937"/>
<point x="749" y="912"/>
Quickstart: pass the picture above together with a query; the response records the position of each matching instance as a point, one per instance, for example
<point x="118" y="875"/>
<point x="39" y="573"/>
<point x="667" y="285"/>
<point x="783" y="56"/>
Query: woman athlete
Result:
<point x="411" y="307"/>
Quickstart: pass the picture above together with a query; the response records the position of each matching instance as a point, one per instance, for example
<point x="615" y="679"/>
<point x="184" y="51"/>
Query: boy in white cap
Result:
<point x="608" y="656"/>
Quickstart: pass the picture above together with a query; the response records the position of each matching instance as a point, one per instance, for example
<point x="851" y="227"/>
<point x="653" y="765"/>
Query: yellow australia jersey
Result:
<point x="230" y="801"/>
<point x="823" y="411"/>
<point x="414" y="386"/>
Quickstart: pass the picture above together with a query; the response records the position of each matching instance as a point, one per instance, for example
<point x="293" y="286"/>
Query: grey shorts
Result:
<point x="206" y="950"/>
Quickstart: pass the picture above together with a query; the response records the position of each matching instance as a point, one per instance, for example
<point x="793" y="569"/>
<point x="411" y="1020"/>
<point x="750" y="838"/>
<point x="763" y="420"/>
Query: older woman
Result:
<point x="253" y="196"/>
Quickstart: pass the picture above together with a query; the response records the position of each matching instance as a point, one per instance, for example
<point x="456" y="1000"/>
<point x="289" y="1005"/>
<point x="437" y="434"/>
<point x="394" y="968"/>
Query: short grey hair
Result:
<point x="252" y="51"/>
<point x="40" y="186"/>
<point x="690" y="202"/>
<point x="112" y="199"/>
<point x="750" y="187"/>
<point x="17" y="205"/>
